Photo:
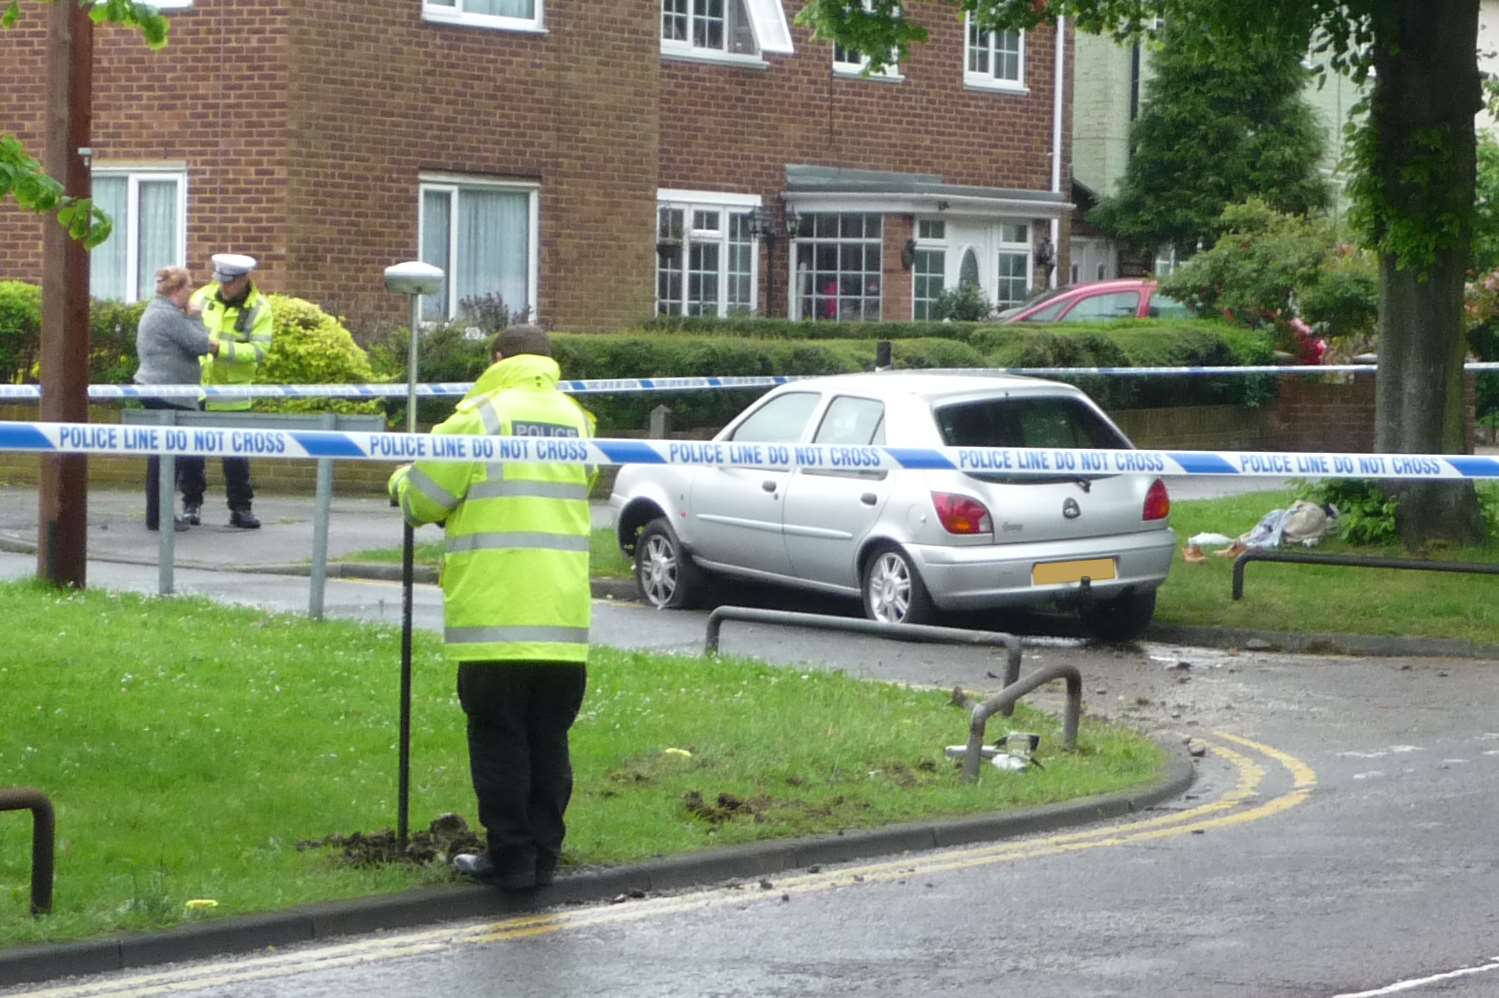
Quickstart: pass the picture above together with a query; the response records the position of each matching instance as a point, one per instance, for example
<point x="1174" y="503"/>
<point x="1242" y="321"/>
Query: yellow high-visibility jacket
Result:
<point x="515" y="576"/>
<point x="243" y="333"/>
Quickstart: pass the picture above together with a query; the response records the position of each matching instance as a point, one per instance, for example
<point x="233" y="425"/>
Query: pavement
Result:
<point x="117" y="534"/>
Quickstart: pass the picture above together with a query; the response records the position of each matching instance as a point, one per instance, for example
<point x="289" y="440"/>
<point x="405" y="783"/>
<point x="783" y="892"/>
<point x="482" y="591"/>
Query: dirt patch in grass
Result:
<point x="444" y="838"/>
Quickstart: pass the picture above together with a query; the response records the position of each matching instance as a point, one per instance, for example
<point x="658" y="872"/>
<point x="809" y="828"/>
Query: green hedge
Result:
<point x="786" y="329"/>
<point x="20" y="329"/>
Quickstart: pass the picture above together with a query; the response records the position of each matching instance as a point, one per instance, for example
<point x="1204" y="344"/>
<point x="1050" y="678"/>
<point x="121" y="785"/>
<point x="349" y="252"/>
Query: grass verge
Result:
<point x="189" y="747"/>
<point x="1323" y="598"/>
<point x="606" y="561"/>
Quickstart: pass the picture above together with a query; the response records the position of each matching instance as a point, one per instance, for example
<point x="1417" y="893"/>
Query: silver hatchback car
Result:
<point x="910" y="542"/>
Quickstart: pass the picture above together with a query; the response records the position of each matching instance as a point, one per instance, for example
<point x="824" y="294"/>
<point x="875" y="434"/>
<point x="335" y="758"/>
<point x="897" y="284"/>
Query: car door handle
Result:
<point x="768" y="485"/>
<point x="869" y="498"/>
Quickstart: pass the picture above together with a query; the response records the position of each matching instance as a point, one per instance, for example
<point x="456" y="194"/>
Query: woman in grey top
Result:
<point x="168" y="342"/>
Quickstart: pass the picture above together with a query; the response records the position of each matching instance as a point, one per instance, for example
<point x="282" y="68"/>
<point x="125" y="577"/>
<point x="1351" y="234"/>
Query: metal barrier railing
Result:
<point x="1002" y="702"/>
<point x="43" y="839"/>
<point x="1350" y="561"/>
<point x="914" y="633"/>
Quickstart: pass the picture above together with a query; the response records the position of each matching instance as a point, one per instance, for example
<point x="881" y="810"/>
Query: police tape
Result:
<point x="102" y="438"/>
<point x="438" y="389"/>
<point x="624" y="386"/>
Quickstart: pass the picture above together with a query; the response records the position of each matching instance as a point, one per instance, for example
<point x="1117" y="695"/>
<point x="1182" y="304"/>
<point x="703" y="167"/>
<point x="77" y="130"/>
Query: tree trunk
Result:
<point x="1426" y="92"/>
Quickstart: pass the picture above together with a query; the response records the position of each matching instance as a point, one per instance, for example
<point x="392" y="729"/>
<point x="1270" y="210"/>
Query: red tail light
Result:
<point x="962" y="514"/>
<point x="1157" y="502"/>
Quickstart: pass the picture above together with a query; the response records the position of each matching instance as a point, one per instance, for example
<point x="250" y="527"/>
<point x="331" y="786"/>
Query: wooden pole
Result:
<point x="61" y="552"/>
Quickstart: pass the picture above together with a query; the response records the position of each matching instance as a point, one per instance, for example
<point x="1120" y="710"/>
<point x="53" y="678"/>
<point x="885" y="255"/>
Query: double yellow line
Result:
<point x="1236" y="807"/>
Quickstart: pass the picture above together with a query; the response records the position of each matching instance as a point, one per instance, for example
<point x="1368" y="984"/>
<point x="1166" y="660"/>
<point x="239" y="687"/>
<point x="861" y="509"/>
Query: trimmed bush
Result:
<point x="20" y="329"/>
<point x="786" y="329"/>
<point x="312" y="347"/>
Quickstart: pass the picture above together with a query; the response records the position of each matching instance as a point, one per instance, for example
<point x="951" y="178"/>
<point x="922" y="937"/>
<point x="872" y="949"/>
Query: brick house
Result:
<point x="593" y="162"/>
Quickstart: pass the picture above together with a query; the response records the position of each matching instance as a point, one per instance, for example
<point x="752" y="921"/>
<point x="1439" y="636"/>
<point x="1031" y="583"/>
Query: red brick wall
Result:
<point x="1323" y="414"/>
<point x="572" y="110"/>
<point x="896" y="285"/>
<point x="215" y="100"/>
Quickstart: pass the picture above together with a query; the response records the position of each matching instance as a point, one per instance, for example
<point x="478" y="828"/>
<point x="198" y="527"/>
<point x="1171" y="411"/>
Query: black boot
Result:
<point x="244" y="519"/>
<point x="192" y="513"/>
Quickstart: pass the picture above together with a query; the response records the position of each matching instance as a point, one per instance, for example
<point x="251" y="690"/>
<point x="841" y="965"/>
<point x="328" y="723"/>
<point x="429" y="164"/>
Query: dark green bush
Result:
<point x="20" y="329"/>
<point x="786" y="329"/>
<point x="111" y="353"/>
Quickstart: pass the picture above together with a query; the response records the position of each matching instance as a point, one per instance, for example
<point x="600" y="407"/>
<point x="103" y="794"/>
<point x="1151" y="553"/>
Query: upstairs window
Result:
<point x="727" y="30"/>
<point x="850" y="62"/>
<point x="995" y="59"/>
<point x="510" y="15"/>
<point x="150" y="232"/>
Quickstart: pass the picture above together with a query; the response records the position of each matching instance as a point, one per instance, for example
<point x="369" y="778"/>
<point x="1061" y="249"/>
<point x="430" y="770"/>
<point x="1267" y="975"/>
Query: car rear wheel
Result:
<point x="1123" y="618"/>
<point x="893" y="590"/>
<point x="666" y="577"/>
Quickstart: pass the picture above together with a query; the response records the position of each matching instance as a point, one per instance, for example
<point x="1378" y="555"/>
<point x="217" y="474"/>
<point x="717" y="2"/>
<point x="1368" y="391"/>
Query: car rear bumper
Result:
<point x="970" y="578"/>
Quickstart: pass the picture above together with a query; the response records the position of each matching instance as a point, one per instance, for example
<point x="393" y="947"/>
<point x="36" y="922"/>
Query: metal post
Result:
<point x="62" y="493"/>
<point x="43" y="839"/>
<point x="166" y="518"/>
<point x="317" y="582"/>
<point x="415" y="279"/>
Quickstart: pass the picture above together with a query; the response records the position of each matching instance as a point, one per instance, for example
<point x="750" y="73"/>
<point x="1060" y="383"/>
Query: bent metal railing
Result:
<point x="1002" y="702"/>
<point x="43" y="837"/>
<point x="1350" y="561"/>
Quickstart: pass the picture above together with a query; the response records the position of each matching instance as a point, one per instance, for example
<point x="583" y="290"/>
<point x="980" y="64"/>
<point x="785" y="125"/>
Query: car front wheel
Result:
<point x="893" y="590"/>
<point x="666" y="577"/>
<point x="1123" y="618"/>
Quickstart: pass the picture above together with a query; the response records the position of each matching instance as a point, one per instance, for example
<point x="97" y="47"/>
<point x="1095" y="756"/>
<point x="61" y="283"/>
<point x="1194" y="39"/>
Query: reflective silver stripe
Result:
<point x="260" y="352"/>
<point x="507" y="635"/>
<point x="490" y="417"/>
<point x="417" y="479"/>
<point x="517" y="541"/>
<point x="495" y="472"/>
<point x="537" y="490"/>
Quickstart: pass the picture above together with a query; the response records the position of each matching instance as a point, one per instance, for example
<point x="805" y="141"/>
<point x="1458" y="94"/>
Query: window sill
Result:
<point x="487" y="23"/>
<point x="995" y="87"/>
<point x="849" y="73"/>
<point x="715" y="58"/>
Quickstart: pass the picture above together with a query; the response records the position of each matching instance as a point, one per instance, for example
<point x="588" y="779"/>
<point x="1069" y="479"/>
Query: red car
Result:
<point x="1098" y="301"/>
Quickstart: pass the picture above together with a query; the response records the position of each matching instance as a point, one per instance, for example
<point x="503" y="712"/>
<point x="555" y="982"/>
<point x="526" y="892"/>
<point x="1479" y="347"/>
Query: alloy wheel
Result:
<point x="658" y="570"/>
<point x="890" y="588"/>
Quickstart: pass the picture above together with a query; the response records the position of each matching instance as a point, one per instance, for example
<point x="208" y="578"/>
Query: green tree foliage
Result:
<point x="23" y="178"/>
<point x="20" y="329"/>
<point x="1486" y="206"/>
<point x="1269" y="267"/>
<point x="1217" y="128"/>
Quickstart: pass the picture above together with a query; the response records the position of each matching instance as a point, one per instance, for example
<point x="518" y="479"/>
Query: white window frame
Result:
<point x="128" y="227"/>
<point x="725" y="204"/>
<point x="927" y="244"/>
<point x="988" y="81"/>
<point x="767" y="23"/>
<point x="452" y="184"/>
<point x="858" y="68"/>
<point x="1003" y="248"/>
<point x="453" y="13"/>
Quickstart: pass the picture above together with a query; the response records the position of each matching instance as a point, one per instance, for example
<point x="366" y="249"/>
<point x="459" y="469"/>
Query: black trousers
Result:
<point x="518" y="717"/>
<point x="188" y="467"/>
<point x="237" y="486"/>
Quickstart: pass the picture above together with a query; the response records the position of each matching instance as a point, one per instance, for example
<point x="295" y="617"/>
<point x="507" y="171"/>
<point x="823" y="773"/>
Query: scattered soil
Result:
<point x="445" y="837"/>
<point x="726" y="808"/>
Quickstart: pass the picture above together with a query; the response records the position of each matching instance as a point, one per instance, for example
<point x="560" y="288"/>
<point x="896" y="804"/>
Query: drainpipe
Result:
<point x="1056" y="142"/>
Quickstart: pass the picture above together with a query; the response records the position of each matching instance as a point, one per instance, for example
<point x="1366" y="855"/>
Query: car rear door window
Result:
<point x="852" y="421"/>
<point x="1115" y="305"/>
<point x="1162" y="307"/>
<point x="779" y="421"/>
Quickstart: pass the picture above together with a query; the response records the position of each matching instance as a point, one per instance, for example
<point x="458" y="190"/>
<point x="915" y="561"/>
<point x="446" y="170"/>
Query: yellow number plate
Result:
<point x="1056" y="572"/>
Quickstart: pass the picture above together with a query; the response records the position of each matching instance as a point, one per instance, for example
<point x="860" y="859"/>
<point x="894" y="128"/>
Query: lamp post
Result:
<point x="413" y="279"/>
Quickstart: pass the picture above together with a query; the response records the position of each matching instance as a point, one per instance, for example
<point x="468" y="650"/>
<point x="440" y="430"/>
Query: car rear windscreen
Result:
<point x="1022" y="421"/>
